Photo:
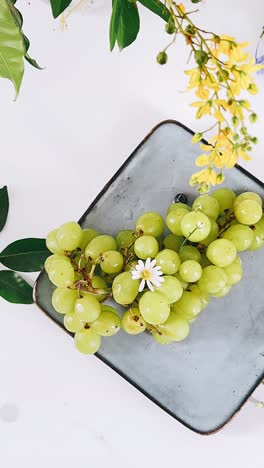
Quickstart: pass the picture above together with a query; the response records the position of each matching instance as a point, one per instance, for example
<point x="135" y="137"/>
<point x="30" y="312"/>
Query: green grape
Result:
<point x="107" y="324"/>
<point x="175" y="328"/>
<point x="258" y="235"/>
<point x="69" y="236"/>
<point x="234" y="272"/>
<point x="51" y="258"/>
<point x="240" y="235"/>
<point x="97" y="283"/>
<point x="171" y="288"/>
<point x="223" y="292"/>
<point x="154" y="307"/>
<point x="188" y="306"/>
<point x="205" y="261"/>
<point x="213" y="234"/>
<point x="99" y="245"/>
<point x="208" y="205"/>
<point x="63" y="300"/>
<point x="173" y="242"/>
<point x="145" y="247"/>
<point x="87" y="341"/>
<point x="73" y="323"/>
<point x="191" y="271"/>
<point x="248" y="212"/>
<point x="202" y="295"/>
<point x="175" y="206"/>
<point x="225" y="198"/>
<point x="52" y="244"/>
<point x="169" y="261"/>
<point x="61" y="273"/>
<point x="87" y="235"/>
<point x="195" y="226"/>
<point x="87" y="308"/>
<point x="247" y="196"/>
<point x="132" y="322"/>
<point x="188" y="252"/>
<point x="161" y="339"/>
<point x="125" y="289"/>
<point x="112" y="262"/>
<point x="174" y="219"/>
<point x="221" y="252"/>
<point x="107" y="308"/>
<point x="124" y="239"/>
<point x="213" y="279"/>
<point x="131" y="265"/>
<point x="183" y="283"/>
<point x="150" y="223"/>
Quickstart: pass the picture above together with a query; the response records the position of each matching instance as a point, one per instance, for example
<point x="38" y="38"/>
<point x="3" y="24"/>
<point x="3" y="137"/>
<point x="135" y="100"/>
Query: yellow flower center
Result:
<point x="146" y="275"/>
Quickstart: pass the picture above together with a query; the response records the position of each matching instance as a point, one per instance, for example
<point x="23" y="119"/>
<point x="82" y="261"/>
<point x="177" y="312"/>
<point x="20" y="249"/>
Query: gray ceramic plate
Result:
<point x="204" y="380"/>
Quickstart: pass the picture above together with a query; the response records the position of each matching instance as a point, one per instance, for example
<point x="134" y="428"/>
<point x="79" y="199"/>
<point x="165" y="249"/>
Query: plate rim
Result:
<point x="106" y="361"/>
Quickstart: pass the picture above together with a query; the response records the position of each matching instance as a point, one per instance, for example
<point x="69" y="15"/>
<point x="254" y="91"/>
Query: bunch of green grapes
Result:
<point x="162" y="281"/>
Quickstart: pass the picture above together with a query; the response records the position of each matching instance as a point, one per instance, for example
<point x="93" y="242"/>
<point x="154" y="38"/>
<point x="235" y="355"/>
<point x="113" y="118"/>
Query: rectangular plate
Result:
<point x="204" y="380"/>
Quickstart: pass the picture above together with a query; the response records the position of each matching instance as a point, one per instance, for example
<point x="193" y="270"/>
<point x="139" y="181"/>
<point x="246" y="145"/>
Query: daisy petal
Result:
<point x="158" y="273"/>
<point x="156" y="268"/>
<point x="150" y="286"/>
<point x="148" y="263"/>
<point x="161" y="279"/>
<point x="153" y="263"/>
<point x="141" y="264"/>
<point x="138" y="268"/>
<point x="141" y="286"/>
<point x="156" y="282"/>
<point x="136" y="275"/>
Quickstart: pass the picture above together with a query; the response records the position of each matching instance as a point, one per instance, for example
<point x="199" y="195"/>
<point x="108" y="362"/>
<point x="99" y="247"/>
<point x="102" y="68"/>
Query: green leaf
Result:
<point x="4" y="206"/>
<point x="116" y="14"/>
<point x="157" y="7"/>
<point x="58" y="6"/>
<point x="11" y="47"/>
<point x="129" y="24"/>
<point x="29" y="59"/>
<point x="15" y="289"/>
<point x="25" y="255"/>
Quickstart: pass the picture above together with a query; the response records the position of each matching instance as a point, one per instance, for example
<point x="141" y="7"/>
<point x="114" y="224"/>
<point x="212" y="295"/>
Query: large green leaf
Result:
<point x="15" y="289"/>
<point x="11" y="47"/>
<point x="25" y="255"/>
<point x="124" y="24"/>
<point x="116" y="14"/>
<point x="157" y="7"/>
<point x="58" y="6"/>
<point x="4" y="206"/>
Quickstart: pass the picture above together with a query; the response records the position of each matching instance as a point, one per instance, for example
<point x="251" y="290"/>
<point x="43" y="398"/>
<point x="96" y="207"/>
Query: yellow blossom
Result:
<point x="202" y="92"/>
<point x="202" y="160"/>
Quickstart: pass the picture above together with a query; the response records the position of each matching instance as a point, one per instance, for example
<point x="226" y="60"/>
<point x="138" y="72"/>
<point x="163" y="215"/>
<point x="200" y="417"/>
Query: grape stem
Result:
<point x="152" y="328"/>
<point x="226" y="225"/>
<point x="187" y="238"/>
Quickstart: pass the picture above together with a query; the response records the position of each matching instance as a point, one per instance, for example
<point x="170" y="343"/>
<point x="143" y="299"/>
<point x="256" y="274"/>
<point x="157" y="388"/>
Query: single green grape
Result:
<point x="112" y="262"/>
<point x="173" y="242"/>
<point x="258" y="235"/>
<point x="132" y="322"/>
<point x="188" y="307"/>
<point x="61" y="273"/>
<point x="99" y="245"/>
<point x="124" y="239"/>
<point x="213" y="234"/>
<point x="174" y="219"/>
<point x="188" y="252"/>
<point x="191" y="271"/>
<point x="208" y="205"/>
<point x="150" y="223"/>
<point x="72" y="322"/>
<point x="107" y="324"/>
<point x="125" y="289"/>
<point x="88" y="234"/>
<point x="87" y="341"/>
<point x="145" y="247"/>
<point x="234" y="272"/>
<point x="87" y="308"/>
<point x="175" y="328"/>
<point x="52" y="243"/>
<point x="69" y="236"/>
<point x="195" y="226"/>
<point x="107" y="308"/>
<point x="154" y="307"/>
<point x="169" y="261"/>
<point x="183" y="283"/>
<point x="221" y="252"/>
<point x="51" y="258"/>
<point x="225" y="198"/>
<point x="247" y="196"/>
<point x="63" y="300"/>
<point x="213" y="279"/>
<point x="240" y="235"/>
<point x="171" y="288"/>
<point x="248" y="212"/>
<point x="223" y="292"/>
<point x="202" y="295"/>
<point x="176" y="206"/>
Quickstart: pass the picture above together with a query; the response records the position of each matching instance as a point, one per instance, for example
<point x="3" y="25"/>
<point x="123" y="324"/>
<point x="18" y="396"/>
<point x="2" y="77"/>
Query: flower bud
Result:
<point x="190" y="30"/>
<point x="201" y="57"/>
<point x="170" y="26"/>
<point x="162" y="58"/>
<point x="253" y="117"/>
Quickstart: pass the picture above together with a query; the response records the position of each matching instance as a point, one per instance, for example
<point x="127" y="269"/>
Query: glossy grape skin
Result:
<point x="240" y="235"/>
<point x="202" y="295"/>
<point x="247" y="196"/>
<point x="225" y="198"/>
<point x="125" y="238"/>
<point x="195" y="226"/>
<point x="150" y="223"/>
<point x="213" y="234"/>
<point x="52" y="243"/>
<point x="61" y="273"/>
<point x="87" y="341"/>
<point x="154" y="307"/>
<point x="208" y="205"/>
<point x="146" y="247"/>
<point x="108" y="308"/>
<point x="221" y="252"/>
<point x="63" y="300"/>
<point x="171" y="288"/>
<point x="174" y="219"/>
<point x="176" y="206"/>
<point x="188" y="252"/>
<point x="173" y="242"/>
<point x="169" y="261"/>
<point x="223" y="292"/>
<point x="88" y="234"/>
<point x="132" y="322"/>
<point x="87" y="308"/>
<point x="107" y="324"/>
<point x="213" y="279"/>
<point x="191" y="271"/>
<point x="112" y="262"/>
<point x="175" y="328"/>
<point x="73" y="323"/>
<point x="69" y="236"/>
<point x="161" y="339"/>
<point x="248" y="212"/>
<point x="183" y="283"/>
<point x="188" y="307"/>
<point x="51" y="258"/>
<point x="234" y="272"/>
<point x="99" y="245"/>
<point x="258" y="235"/>
<point x="125" y="289"/>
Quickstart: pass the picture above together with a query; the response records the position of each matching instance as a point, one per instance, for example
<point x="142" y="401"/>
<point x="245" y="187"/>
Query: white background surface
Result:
<point x="72" y="126"/>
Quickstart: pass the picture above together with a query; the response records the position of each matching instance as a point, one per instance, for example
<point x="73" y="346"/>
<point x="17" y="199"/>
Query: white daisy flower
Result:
<point x="148" y="273"/>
